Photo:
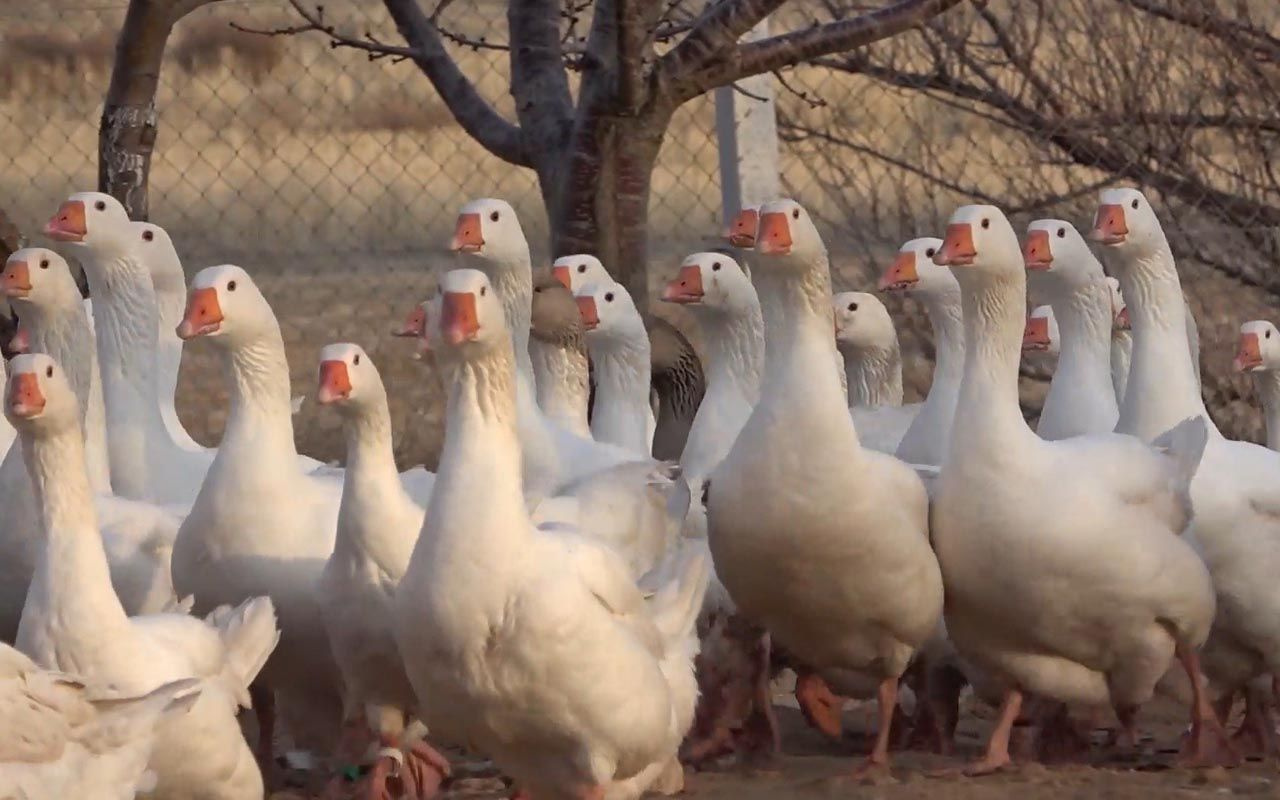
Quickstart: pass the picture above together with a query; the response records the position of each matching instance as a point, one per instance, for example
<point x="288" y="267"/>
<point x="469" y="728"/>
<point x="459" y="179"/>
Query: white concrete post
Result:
<point x="747" y="134"/>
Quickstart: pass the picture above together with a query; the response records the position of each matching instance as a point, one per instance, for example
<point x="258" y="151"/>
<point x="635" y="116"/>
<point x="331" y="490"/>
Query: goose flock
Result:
<point x="584" y="614"/>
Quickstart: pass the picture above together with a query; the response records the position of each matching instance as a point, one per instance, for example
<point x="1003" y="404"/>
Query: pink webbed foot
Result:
<point x="822" y="708"/>
<point x="1207" y="745"/>
<point x="428" y="769"/>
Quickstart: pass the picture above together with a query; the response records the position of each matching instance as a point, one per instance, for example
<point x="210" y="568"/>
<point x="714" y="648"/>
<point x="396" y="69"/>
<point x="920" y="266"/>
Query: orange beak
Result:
<point x="686" y="288"/>
<point x="468" y="237"/>
<point x="15" y="281"/>
<point x="774" y="234"/>
<point x="458" y="319"/>
<point x="1035" y="337"/>
<point x="1108" y="225"/>
<point x="742" y="231"/>
<point x="335" y="382"/>
<point x="68" y="225"/>
<point x="1248" y="354"/>
<point x="901" y="273"/>
<point x="587" y="309"/>
<point x="21" y="341"/>
<point x="957" y="248"/>
<point x="203" y="315"/>
<point x="25" y="398"/>
<point x="413" y="324"/>
<point x="1123" y="323"/>
<point x="561" y="274"/>
<point x="1037" y="254"/>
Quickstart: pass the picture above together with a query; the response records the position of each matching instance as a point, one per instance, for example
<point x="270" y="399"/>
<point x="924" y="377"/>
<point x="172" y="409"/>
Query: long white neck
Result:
<point x="622" y="412"/>
<point x="735" y="353"/>
<point x="994" y="318"/>
<point x="70" y="602"/>
<point x="513" y="281"/>
<point x="800" y="349"/>
<point x="125" y="326"/>
<point x="260" y="421"/>
<point x="1162" y="389"/>
<point x="170" y="290"/>
<point x="1121" y="358"/>
<point x="1268" y="384"/>
<point x="874" y="377"/>
<point x="561" y="374"/>
<point x="373" y="498"/>
<point x="1081" y="397"/>
<point x="929" y="436"/>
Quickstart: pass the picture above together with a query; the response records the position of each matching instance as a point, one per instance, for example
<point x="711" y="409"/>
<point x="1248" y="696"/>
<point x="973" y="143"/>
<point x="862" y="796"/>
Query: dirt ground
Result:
<point x="814" y="768"/>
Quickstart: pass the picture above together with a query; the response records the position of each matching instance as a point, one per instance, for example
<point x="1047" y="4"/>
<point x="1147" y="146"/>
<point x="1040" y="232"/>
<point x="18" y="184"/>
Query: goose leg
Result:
<point x="1207" y="744"/>
<point x="1257" y="736"/>
<point x="997" y="755"/>
<point x="878" y="760"/>
<point x="821" y="706"/>
<point x="761" y="734"/>
<point x="428" y="768"/>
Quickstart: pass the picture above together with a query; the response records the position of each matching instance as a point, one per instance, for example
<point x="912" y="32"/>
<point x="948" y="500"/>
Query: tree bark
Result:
<point x="127" y="132"/>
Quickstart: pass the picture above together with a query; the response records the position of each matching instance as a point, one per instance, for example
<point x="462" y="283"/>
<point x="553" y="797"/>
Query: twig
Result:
<point x="315" y="21"/>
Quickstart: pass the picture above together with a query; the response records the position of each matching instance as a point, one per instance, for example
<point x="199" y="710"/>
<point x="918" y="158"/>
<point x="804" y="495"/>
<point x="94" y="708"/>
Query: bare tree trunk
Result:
<point x="127" y="132"/>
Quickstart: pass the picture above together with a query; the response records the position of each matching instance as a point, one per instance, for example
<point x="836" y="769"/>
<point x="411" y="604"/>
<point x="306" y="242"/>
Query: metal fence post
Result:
<point x="747" y="135"/>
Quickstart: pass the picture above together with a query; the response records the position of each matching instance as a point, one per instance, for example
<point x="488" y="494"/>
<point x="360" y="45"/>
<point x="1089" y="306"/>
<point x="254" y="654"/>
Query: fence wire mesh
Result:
<point x="336" y="179"/>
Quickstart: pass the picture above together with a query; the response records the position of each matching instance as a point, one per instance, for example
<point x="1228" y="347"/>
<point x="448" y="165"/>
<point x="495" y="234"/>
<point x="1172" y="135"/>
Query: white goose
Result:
<point x="1081" y="397"/>
<point x="1258" y="353"/>
<point x="1121" y="341"/>
<point x="73" y="621"/>
<point x="1236" y="491"/>
<point x="913" y="272"/>
<point x="535" y="646"/>
<point x="259" y="525"/>
<point x="838" y="576"/>
<point x="138" y="537"/>
<point x="619" y="349"/>
<point x="559" y="354"/>
<point x="65" y="739"/>
<point x="1084" y="528"/>
<point x="1041" y="337"/>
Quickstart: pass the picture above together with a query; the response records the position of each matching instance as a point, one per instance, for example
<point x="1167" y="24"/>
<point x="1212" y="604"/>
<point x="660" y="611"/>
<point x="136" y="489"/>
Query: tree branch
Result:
<point x="539" y="80"/>
<point x="1235" y="32"/>
<point x="712" y="37"/>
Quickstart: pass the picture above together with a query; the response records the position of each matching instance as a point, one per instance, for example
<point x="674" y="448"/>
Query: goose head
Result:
<point x="21" y="341"/>
<point x="914" y="272"/>
<point x="1041" y="335"/>
<point x="787" y="236"/>
<point x="863" y="323"/>
<point x="1119" y="311"/>
<point x="161" y="257"/>
<point x="348" y="379"/>
<point x="224" y="303"/>
<point x="471" y="318"/>
<point x="1259" y="347"/>
<point x="95" y="221"/>
<point x="414" y="325"/>
<point x="489" y="228"/>
<point x="40" y="278"/>
<point x="980" y="247"/>
<point x="609" y="315"/>
<point x="555" y="312"/>
<point x="574" y="272"/>
<point x="1127" y="223"/>
<point x="422" y="325"/>
<point x="742" y="229"/>
<point x="38" y="399"/>
<point x="1055" y="254"/>
<point x="711" y="280"/>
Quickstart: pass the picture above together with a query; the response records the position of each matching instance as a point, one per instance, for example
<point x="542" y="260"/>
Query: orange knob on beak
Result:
<point x="742" y="231"/>
<point x="203" y="315"/>
<point x="561" y="274"/>
<point x="901" y="274"/>
<point x="1035" y="337"/>
<point x="587" y="309"/>
<point x="25" y="398"/>
<point x="468" y="236"/>
<point x="957" y="248"/>
<point x="686" y="288"/>
<point x="1109" y="226"/>
<point x="774" y="234"/>
<point x="335" y="382"/>
<point x="68" y="224"/>
<point x="1248" y="354"/>
<point x="1037" y="253"/>
<point x="15" y="281"/>
<point x="459" y="321"/>
<point x="413" y="325"/>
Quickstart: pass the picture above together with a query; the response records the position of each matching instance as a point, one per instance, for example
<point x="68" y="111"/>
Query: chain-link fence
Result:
<point x="336" y="179"/>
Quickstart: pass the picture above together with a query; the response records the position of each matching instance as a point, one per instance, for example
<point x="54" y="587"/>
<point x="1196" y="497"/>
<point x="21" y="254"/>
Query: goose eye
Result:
<point x="1268" y="335"/>
<point x="1062" y="232"/>
<point x="795" y="213"/>
<point x="986" y="223"/>
<point x="100" y="205"/>
<point x="1134" y="203"/>
<point x="853" y="306"/>
<point x="147" y="236"/>
<point x="484" y="290"/>
<point x="715" y="267"/>
<point x="608" y="297"/>
<point x="929" y="253"/>
<point x="231" y="286"/>
<point x="44" y="263"/>
<point x="494" y="216"/>
<point x="582" y="268"/>
<point x="48" y="372"/>
<point x="356" y="361"/>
